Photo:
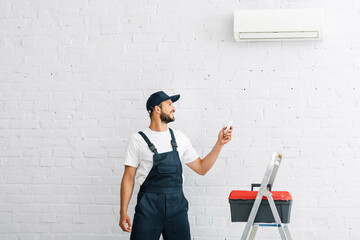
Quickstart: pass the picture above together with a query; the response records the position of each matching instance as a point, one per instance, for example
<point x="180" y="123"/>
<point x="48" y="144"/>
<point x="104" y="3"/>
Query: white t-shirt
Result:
<point x="139" y="155"/>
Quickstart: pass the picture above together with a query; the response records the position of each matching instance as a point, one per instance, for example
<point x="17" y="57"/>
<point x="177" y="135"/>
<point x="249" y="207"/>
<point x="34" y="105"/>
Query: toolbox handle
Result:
<point x="258" y="185"/>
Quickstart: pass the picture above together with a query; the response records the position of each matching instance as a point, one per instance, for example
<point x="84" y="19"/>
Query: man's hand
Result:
<point x="125" y="219"/>
<point x="225" y="138"/>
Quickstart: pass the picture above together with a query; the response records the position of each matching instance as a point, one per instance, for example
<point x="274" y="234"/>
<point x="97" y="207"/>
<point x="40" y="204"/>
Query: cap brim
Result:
<point x="175" y="98"/>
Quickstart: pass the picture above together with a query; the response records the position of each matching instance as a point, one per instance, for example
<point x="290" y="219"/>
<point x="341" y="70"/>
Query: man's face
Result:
<point x="167" y="111"/>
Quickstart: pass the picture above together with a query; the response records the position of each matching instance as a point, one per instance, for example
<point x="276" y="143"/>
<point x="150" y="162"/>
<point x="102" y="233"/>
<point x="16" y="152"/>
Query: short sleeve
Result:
<point x="189" y="155"/>
<point x="132" y="153"/>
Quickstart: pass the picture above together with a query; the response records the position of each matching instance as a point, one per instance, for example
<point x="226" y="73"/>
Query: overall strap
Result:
<point x="151" y="146"/>
<point x="173" y="141"/>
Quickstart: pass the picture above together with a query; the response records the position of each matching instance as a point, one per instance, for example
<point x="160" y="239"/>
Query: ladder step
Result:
<point x="268" y="225"/>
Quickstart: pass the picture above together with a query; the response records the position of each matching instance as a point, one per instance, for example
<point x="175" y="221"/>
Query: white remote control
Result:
<point x="228" y="126"/>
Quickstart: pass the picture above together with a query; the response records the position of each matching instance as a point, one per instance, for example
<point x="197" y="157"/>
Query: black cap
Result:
<point x="158" y="97"/>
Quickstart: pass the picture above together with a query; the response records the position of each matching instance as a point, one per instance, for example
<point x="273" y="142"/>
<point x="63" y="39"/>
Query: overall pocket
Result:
<point x="168" y="176"/>
<point x="145" y="213"/>
<point x="167" y="169"/>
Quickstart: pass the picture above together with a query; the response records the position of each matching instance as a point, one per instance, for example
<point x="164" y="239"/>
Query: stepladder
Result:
<point x="263" y="208"/>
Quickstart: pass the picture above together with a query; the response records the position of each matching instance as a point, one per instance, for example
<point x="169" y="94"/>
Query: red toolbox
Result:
<point x="241" y="203"/>
<point x="263" y="208"/>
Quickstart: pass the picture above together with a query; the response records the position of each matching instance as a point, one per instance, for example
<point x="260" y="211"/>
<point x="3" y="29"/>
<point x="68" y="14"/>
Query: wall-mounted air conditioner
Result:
<point x="278" y="24"/>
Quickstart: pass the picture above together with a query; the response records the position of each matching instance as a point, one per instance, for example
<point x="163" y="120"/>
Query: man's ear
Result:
<point x="157" y="109"/>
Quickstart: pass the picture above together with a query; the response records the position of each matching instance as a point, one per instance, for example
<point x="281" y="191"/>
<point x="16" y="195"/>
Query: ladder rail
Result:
<point x="277" y="218"/>
<point x="251" y="218"/>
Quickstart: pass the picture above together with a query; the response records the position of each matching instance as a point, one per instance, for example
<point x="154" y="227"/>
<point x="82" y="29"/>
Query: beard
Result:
<point x="166" y="118"/>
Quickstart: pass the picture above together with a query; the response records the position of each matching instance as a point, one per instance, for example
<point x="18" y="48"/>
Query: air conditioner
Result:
<point x="278" y="24"/>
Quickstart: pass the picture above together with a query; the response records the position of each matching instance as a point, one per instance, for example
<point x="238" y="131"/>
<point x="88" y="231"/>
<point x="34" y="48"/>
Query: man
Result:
<point x="155" y="157"/>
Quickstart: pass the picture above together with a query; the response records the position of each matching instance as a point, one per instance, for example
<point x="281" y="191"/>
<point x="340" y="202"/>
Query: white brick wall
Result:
<point x="74" y="78"/>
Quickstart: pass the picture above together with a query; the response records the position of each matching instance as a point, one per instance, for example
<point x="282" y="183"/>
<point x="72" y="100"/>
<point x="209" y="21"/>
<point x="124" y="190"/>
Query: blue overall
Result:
<point x="161" y="205"/>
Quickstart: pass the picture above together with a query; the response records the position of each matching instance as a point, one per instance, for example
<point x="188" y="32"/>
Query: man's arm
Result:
<point x="202" y="166"/>
<point x="127" y="187"/>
